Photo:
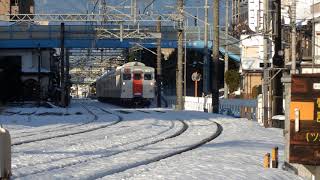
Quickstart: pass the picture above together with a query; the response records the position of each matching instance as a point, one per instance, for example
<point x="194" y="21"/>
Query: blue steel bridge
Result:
<point x="28" y="35"/>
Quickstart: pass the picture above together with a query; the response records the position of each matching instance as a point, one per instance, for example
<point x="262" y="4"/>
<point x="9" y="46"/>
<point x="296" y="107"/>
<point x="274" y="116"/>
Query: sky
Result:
<point x="162" y="6"/>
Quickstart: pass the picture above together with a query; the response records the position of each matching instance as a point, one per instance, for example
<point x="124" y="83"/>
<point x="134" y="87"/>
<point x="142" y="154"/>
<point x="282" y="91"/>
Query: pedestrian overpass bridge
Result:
<point x="27" y="35"/>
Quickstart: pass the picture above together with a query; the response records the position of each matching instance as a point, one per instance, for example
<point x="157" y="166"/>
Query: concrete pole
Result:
<point x="277" y="96"/>
<point x="313" y="37"/>
<point x="185" y="66"/>
<point x="206" y="62"/>
<point x="62" y="66"/>
<point x="134" y="10"/>
<point x="215" y="50"/>
<point x="39" y="76"/>
<point x="179" y="70"/>
<point x="265" y="64"/>
<point x="159" y="69"/>
<point x="67" y="76"/>
<point x="226" y="56"/>
<point x="293" y="36"/>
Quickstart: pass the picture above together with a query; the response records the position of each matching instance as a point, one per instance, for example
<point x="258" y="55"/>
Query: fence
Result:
<point x="233" y="107"/>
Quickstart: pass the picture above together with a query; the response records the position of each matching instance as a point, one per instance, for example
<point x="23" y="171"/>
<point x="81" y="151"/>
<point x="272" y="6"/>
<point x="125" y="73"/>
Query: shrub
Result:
<point x="232" y="78"/>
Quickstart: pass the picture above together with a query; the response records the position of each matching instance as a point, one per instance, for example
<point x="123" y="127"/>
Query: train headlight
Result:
<point x="124" y="83"/>
<point x="151" y="83"/>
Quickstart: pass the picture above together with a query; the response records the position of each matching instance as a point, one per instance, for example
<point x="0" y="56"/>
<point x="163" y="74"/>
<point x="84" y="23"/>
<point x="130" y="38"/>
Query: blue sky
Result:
<point x="81" y="6"/>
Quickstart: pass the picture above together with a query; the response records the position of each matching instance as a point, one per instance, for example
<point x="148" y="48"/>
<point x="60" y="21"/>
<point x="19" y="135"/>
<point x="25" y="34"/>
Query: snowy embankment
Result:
<point x="137" y="144"/>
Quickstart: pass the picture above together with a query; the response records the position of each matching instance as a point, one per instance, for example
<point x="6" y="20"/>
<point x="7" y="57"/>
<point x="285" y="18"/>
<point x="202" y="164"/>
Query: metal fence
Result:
<point x="232" y="107"/>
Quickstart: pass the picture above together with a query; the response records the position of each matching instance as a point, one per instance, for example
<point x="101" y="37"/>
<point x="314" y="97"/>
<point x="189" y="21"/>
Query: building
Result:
<point x="16" y="7"/>
<point x="26" y="79"/>
<point x="239" y="11"/>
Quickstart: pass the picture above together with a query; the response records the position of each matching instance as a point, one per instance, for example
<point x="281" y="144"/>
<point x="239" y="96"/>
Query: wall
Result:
<point x="30" y="59"/>
<point x="252" y="53"/>
<point x="4" y="9"/>
<point x="249" y="81"/>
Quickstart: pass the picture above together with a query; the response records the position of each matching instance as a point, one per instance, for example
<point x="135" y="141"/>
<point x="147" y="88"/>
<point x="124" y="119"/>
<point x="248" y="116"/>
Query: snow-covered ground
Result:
<point x="92" y="140"/>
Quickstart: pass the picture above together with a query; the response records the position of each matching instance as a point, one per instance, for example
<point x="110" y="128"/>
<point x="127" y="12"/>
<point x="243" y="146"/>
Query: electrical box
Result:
<point x="305" y="120"/>
<point x="5" y="154"/>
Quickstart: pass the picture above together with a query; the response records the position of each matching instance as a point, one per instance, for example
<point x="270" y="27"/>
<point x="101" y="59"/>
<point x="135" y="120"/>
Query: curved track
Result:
<point x="74" y="163"/>
<point x="55" y="128"/>
<point x="162" y="157"/>
<point x="73" y="133"/>
<point x="124" y="139"/>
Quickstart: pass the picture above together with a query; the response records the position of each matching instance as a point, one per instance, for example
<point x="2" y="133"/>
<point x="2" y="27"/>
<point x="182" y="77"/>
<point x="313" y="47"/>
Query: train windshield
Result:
<point x="126" y="76"/>
<point x="137" y="76"/>
<point x="147" y="76"/>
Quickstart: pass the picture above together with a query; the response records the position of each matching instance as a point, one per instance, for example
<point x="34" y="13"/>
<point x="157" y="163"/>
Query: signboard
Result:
<point x="305" y="120"/>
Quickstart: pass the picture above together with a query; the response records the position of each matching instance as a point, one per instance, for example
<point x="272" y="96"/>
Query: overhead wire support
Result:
<point x="293" y="36"/>
<point x="206" y="62"/>
<point x="265" y="85"/>
<point x="226" y="55"/>
<point x="215" y="55"/>
<point x="179" y="68"/>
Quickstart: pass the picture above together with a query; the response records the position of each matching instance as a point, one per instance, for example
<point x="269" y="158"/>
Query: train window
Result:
<point x="137" y="76"/>
<point x="147" y="76"/>
<point x="126" y="76"/>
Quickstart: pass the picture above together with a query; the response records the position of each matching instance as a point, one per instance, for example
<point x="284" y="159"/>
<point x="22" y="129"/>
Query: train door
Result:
<point x="137" y="84"/>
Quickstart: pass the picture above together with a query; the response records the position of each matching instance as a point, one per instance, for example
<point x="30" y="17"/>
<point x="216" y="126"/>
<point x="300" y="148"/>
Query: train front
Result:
<point x="139" y="85"/>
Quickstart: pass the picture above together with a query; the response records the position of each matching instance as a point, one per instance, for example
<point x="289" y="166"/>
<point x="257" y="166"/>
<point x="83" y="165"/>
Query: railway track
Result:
<point x="83" y="160"/>
<point x="181" y="130"/>
<point x="54" y="129"/>
<point x="162" y="157"/>
<point x="38" y="165"/>
<point x="126" y="130"/>
<point x="119" y="119"/>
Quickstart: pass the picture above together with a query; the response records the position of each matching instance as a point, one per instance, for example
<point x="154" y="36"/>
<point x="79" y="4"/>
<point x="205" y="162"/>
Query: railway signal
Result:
<point x="196" y="77"/>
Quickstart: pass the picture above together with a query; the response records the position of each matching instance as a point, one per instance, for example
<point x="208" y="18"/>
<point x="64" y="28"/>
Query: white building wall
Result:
<point x="29" y="59"/>
<point x="252" y="53"/>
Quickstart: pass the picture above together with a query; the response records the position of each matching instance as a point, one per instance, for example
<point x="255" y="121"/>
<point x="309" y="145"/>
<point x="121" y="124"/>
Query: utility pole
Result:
<point x="206" y="62"/>
<point x="134" y="10"/>
<point x="159" y="69"/>
<point x="265" y="90"/>
<point x="67" y="76"/>
<point x="293" y="36"/>
<point x="39" y="76"/>
<point x="62" y="72"/>
<point x="215" y="55"/>
<point x="226" y="55"/>
<point x="278" y="62"/>
<point x="179" y="73"/>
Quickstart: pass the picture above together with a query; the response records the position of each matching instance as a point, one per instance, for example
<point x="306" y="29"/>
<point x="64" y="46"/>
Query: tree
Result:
<point x="232" y="79"/>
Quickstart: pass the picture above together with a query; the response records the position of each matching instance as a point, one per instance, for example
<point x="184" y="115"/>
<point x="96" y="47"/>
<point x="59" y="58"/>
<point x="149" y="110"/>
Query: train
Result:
<point x="132" y="84"/>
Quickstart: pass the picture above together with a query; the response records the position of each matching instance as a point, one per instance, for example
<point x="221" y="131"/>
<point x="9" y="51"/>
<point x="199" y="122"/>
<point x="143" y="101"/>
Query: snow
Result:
<point x="2" y="130"/>
<point x="279" y="117"/>
<point x="142" y="145"/>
